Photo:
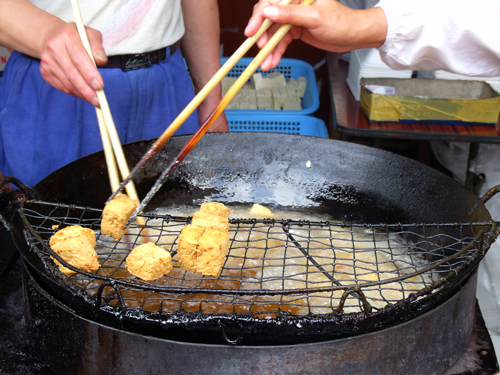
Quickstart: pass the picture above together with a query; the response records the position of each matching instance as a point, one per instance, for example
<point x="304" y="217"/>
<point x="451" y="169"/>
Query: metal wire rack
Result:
<point x="273" y="267"/>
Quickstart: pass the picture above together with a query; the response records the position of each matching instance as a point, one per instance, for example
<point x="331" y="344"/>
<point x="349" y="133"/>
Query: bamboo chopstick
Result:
<point x="114" y="180"/>
<point x="197" y="100"/>
<point x="111" y="142"/>
<point x="104" y="112"/>
<point x="238" y="84"/>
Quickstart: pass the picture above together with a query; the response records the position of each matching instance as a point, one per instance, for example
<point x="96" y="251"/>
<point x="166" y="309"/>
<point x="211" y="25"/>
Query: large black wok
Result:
<point x="349" y="182"/>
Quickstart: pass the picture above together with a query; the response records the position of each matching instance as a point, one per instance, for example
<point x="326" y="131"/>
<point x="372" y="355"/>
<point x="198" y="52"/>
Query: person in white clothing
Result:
<point x="141" y="48"/>
<point x="451" y="35"/>
<point x="457" y="36"/>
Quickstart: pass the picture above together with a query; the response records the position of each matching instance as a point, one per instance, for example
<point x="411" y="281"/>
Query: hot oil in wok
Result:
<point x="262" y="257"/>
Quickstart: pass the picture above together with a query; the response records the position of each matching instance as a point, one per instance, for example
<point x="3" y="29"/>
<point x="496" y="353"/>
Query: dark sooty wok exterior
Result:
<point x="348" y="181"/>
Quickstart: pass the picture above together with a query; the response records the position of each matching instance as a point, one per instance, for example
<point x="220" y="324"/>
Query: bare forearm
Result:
<point x="200" y="44"/>
<point x="24" y="27"/>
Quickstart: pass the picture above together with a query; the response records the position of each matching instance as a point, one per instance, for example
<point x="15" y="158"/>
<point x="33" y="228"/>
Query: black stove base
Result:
<point x="478" y="359"/>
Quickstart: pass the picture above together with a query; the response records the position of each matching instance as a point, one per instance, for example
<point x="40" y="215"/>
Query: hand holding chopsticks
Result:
<point x="252" y="67"/>
<point x="109" y="136"/>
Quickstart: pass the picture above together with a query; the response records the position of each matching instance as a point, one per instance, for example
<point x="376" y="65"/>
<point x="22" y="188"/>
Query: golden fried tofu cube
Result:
<point x="187" y="249"/>
<point x="203" y="250"/>
<point x="215" y="208"/>
<point x="76" y="245"/>
<point x="208" y="220"/>
<point x="116" y="214"/>
<point x="149" y="262"/>
<point x="212" y="250"/>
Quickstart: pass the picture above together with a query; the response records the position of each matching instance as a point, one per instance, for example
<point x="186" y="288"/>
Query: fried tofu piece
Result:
<point x="204" y="244"/>
<point x="208" y="220"/>
<point x="215" y="208"/>
<point x="187" y="249"/>
<point x="76" y="245"/>
<point x="116" y="214"/>
<point x="261" y="211"/>
<point x="203" y="250"/>
<point x="149" y="262"/>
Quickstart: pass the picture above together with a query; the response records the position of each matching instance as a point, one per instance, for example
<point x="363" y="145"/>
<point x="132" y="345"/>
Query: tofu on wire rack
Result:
<point x="204" y="244"/>
<point x="76" y="245"/>
<point x="116" y="214"/>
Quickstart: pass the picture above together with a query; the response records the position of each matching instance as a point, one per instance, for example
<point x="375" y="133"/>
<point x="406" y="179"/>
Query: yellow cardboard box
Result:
<point x="396" y="100"/>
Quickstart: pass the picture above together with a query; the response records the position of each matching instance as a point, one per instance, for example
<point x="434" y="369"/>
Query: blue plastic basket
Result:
<point x="290" y="68"/>
<point x="289" y="124"/>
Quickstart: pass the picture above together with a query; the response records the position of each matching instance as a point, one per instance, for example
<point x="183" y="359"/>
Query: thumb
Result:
<point x="296" y="15"/>
<point x="100" y="57"/>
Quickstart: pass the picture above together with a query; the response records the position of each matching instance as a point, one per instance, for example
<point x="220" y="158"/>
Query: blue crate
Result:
<point x="289" y="124"/>
<point x="290" y="68"/>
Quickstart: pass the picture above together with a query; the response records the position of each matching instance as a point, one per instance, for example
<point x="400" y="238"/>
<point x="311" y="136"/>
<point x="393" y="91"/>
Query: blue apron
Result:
<point x="43" y="129"/>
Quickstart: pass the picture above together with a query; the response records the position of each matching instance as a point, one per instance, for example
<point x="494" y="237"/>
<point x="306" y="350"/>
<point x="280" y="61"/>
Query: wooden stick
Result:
<point x="104" y="107"/>
<point x="197" y="100"/>
<point x="242" y="79"/>
<point x="114" y="180"/>
<point x="109" y="135"/>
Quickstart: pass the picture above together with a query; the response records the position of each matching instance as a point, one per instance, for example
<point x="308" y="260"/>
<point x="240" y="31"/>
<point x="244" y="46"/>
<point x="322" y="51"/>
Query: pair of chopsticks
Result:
<point x="113" y="151"/>
<point x="231" y="93"/>
<point x="239" y="83"/>
<point x="198" y="99"/>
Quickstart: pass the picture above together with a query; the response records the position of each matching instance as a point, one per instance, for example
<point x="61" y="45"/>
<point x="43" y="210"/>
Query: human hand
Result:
<point x="66" y="65"/>
<point x="326" y="24"/>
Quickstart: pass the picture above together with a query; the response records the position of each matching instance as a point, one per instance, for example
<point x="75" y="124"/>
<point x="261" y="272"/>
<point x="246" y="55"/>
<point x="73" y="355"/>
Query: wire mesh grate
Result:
<point x="273" y="267"/>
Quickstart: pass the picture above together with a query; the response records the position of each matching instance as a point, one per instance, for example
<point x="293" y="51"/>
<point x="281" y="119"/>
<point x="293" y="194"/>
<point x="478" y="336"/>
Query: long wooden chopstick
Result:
<point x="103" y="112"/>
<point x="197" y="100"/>
<point x="112" y="146"/>
<point x="114" y="179"/>
<point x="231" y="93"/>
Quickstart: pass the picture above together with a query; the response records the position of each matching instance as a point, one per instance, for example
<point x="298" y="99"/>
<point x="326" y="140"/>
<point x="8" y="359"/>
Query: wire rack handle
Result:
<point x="490" y="194"/>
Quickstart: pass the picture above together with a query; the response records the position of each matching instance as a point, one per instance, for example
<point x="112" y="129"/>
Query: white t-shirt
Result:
<point x="459" y="36"/>
<point x="127" y="26"/>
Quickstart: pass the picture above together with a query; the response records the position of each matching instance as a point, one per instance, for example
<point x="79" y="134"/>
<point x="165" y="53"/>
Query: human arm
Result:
<point x="326" y="24"/>
<point x="200" y="47"/>
<point x="456" y="36"/>
<point x="451" y="35"/>
<point x="64" y="62"/>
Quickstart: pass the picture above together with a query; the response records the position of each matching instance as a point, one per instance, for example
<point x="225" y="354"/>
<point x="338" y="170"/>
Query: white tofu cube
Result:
<point x="260" y="102"/>
<point x="292" y="84"/>
<point x="292" y="103"/>
<point x="264" y="92"/>
<point x="258" y="81"/>
<point x="302" y="85"/>
<point x="264" y="102"/>
<point x="290" y="91"/>
<point x="277" y="78"/>
<point x="277" y="101"/>
<point x="283" y="92"/>
<point x="252" y="101"/>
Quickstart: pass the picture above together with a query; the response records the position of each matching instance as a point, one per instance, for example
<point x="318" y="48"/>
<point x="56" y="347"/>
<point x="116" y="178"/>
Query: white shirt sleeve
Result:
<point x="459" y="36"/>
